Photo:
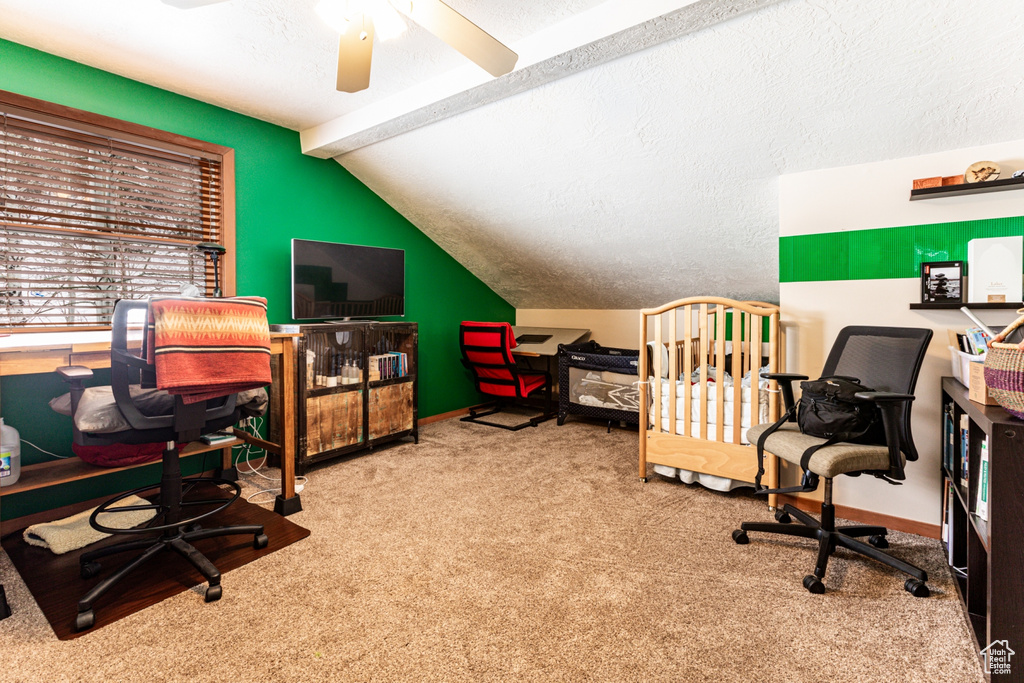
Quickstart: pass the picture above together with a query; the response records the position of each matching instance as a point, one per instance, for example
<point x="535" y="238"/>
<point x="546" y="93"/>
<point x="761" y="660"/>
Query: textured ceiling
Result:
<point x="625" y="182"/>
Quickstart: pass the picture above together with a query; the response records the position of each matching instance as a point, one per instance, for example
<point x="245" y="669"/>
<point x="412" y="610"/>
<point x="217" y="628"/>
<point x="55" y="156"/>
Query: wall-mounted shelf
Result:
<point x="1012" y="305"/>
<point x="967" y="188"/>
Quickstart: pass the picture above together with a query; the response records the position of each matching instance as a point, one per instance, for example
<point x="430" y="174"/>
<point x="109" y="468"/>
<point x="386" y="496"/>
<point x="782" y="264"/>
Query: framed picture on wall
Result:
<point x="942" y="282"/>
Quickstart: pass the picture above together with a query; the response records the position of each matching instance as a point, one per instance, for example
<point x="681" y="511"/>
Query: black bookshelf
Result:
<point x="987" y="555"/>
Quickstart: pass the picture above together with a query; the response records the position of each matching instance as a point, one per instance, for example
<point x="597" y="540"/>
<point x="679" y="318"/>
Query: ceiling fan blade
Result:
<point x="355" y="48"/>
<point x="463" y="35"/>
<point x="190" y="4"/>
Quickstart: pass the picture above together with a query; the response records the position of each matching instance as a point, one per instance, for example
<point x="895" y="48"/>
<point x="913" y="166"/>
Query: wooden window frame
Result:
<point x="98" y="124"/>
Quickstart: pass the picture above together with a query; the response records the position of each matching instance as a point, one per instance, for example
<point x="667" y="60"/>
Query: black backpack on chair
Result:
<point x="827" y="409"/>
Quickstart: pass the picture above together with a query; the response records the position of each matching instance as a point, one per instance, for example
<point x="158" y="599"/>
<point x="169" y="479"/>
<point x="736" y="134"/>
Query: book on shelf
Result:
<point x="947" y="522"/>
<point x="388" y="365"/>
<point x="981" y="502"/>
<point x="949" y="441"/>
<point x="965" y="450"/>
<point x="945" y="510"/>
<point x="977" y="341"/>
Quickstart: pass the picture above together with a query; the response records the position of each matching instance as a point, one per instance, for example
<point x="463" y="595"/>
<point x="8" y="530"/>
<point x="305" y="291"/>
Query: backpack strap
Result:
<point x="809" y="481"/>
<point x="760" y="490"/>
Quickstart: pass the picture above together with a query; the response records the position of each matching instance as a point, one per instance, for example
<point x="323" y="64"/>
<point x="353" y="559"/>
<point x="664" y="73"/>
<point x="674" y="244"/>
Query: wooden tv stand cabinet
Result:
<point x="355" y="388"/>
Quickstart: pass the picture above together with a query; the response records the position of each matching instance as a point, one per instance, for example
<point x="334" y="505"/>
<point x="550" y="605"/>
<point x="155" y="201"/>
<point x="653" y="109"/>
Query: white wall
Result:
<point x="619" y="328"/>
<point x="873" y="196"/>
<point x="877" y="195"/>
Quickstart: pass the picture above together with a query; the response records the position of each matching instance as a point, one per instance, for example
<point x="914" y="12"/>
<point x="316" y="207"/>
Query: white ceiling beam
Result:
<point x="596" y="36"/>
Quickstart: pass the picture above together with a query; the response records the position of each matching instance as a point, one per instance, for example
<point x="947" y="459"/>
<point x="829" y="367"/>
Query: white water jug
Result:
<point x="10" y="454"/>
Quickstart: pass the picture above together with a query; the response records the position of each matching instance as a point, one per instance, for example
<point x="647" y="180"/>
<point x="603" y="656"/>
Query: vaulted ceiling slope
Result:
<point x="633" y="155"/>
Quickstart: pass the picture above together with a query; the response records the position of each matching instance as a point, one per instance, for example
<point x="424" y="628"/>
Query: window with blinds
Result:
<point x="91" y="215"/>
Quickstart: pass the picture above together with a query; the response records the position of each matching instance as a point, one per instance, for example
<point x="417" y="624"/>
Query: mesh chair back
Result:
<point x="883" y="358"/>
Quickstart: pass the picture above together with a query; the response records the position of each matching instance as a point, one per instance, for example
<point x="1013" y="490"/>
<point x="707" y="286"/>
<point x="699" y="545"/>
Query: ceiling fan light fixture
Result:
<point x="341" y="14"/>
<point x="387" y="22"/>
<point x="334" y="13"/>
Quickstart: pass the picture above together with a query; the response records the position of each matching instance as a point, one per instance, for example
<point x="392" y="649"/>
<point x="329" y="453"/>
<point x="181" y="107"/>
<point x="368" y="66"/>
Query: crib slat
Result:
<point x="687" y="369"/>
<point x="719" y="373"/>
<point x="737" y="375"/>
<point x="755" y="371"/>
<point x="643" y="372"/>
<point x="773" y="366"/>
<point x="673" y="371"/>
<point x="748" y="320"/>
<point x="774" y="412"/>
<point x="658" y="341"/>
<point x="702" y="327"/>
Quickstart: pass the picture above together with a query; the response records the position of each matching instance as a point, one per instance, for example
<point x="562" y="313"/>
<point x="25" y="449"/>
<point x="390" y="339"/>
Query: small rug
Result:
<point x="74" y="532"/>
<point x="56" y="585"/>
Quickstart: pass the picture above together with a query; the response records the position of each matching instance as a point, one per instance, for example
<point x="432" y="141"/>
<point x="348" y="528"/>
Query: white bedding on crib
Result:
<point x="712" y="431"/>
<point x="712" y="409"/>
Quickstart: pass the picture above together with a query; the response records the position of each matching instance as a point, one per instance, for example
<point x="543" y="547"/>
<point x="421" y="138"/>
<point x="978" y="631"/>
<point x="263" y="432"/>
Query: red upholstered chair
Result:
<point x="487" y="354"/>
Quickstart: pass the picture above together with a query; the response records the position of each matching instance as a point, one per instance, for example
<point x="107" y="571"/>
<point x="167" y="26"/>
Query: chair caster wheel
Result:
<point x="213" y="593"/>
<point x="260" y="541"/>
<point x="878" y="541"/>
<point x="782" y="517"/>
<point x="85" y="620"/>
<point x="561" y="420"/>
<point x="89" y="570"/>
<point x="916" y="588"/>
<point x="740" y="536"/>
<point x="813" y="584"/>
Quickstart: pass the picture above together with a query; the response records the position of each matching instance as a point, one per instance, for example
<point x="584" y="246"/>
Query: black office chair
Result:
<point x="888" y="359"/>
<point x="150" y="417"/>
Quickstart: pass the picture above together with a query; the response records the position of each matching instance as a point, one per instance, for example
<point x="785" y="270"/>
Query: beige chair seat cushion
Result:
<point x="789" y="444"/>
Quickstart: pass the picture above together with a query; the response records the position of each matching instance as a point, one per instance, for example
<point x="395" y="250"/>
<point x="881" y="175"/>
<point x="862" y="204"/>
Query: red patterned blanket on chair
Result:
<point x="205" y="348"/>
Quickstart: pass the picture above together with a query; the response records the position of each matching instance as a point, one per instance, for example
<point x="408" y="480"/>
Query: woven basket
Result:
<point x="1004" y="371"/>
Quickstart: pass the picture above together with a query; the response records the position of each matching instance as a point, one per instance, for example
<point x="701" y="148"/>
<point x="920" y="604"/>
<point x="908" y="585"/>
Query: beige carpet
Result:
<point x="482" y="554"/>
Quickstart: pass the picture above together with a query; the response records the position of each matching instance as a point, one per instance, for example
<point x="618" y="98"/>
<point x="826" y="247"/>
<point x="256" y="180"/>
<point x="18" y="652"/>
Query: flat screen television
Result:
<point x="332" y="280"/>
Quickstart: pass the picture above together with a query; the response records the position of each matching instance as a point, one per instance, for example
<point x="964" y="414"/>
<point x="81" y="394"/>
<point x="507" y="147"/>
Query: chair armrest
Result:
<point x="892" y="405"/>
<point x="883" y="396"/>
<point x="74" y="373"/>
<point x="784" y="376"/>
<point x="785" y="380"/>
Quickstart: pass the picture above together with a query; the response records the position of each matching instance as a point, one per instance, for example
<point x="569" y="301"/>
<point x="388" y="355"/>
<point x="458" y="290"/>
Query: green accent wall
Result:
<point x="883" y="253"/>
<point x="280" y="194"/>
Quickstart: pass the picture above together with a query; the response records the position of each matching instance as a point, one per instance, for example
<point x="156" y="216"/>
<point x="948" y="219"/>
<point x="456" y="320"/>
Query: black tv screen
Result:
<point x="331" y="280"/>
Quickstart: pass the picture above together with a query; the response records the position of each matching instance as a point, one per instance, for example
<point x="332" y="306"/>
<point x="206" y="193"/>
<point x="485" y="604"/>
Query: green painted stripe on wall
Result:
<point x="883" y="253"/>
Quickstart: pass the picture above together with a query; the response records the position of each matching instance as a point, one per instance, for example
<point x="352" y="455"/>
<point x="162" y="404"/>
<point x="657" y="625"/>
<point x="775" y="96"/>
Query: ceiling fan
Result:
<point x="354" y="19"/>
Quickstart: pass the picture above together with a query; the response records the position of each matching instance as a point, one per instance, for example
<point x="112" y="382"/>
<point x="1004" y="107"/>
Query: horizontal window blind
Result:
<point x="89" y="218"/>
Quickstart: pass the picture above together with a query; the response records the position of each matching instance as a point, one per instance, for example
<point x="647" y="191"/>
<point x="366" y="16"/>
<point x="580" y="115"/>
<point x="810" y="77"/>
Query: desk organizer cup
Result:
<point x="1004" y="370"/>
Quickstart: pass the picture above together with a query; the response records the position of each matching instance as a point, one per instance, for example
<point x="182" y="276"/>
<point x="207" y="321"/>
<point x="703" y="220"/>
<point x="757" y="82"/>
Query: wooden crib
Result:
<point x="700" y="337"/>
